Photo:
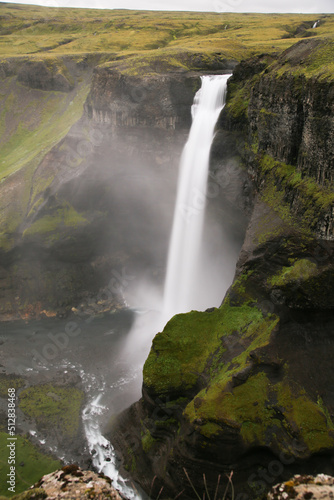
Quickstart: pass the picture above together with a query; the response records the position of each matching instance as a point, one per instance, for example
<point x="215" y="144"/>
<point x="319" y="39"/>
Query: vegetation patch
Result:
<point x="254" y="330"/>
<point x="300" y="270"/>
<point x="42" y="31"/>
<point x="264" y="413"/>
<point x="31" y="464"/>
<point x="30" y="133"/>
<point x="147" y="441"/>
<point x="62" y="218"/>
<point x="9" y="382"/>
<point x="302" y="413"/>
<point x="52" y="407"/>
<point x="280" y="179"/>
<point x="194" y="341"/>
<point x="33" y="121"/>
<point x="313" y="60"/>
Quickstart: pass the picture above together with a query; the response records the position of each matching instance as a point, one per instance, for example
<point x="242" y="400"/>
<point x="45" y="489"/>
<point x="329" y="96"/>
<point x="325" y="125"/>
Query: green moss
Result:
<point x="301" y="269"/>
<point x="238" y="100"/>
<point x="63" y="217"/>
<point x="252" y="408"/>
<point x="131" y="460"/>
<point x="280" y="178"/>
<point x="55" y="407"/>
<point x="243" y="408"/>
<point x="36" y="464"/>
<point x="35" y="207"/>
<point x="210" y="429"/>
<point x="192" y="342"/>
<point x="39" y="186"/>
<point x="9" y="382"/>
<point x="209" y="404"/>
<point x="305" y="415"/>
<point x="147" y="441"/>
<point x="325" y="411"/>
<point x="240" y="287"/>
<point x="180" y="352"/>
<point x="35" y="132"/>
<point x="168" y="422"/>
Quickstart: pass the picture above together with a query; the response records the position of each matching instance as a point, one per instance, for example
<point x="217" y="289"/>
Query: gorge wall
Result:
<point x="247" y="387"/>
<point x="234" y="388"/>
<point x="72" y="223"/>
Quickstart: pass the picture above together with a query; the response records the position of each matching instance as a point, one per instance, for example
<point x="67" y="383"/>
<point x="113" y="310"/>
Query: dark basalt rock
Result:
<point x="36" y="75"/>
<point x="159" y="101"/>
<point x="253" y="392"/>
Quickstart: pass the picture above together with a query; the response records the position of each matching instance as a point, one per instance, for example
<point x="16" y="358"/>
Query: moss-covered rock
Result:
<point x="248" y="386"/>
<point x="192" y="344"/>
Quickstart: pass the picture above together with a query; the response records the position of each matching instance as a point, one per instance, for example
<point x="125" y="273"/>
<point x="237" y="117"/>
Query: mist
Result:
<point x="153" y="200"/>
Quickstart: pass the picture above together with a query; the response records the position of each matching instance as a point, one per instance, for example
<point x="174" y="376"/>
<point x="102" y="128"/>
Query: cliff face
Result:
<point x="71" y="218"/>
<point x="234" y="388"/>
<point x="288" y="120"/>
<point x="158" y="101"/>
<point x="248" y="387"/>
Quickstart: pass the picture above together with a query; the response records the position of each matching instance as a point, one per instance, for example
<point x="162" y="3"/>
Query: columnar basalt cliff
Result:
<point x="247" y="387"/>
<point x="158" y="101"/>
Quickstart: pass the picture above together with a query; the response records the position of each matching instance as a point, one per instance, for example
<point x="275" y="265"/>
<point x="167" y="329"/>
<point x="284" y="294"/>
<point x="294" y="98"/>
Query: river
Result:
<point x="86" y="351"/>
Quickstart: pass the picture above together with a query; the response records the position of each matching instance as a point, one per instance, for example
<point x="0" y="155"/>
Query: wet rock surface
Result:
<point x="248" y="387"/>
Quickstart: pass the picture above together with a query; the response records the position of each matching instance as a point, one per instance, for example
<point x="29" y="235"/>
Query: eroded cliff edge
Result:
<point x="248" y="386"/>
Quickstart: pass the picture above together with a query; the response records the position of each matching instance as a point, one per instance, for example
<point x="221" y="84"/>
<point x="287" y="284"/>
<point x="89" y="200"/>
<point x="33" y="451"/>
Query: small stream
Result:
<point x="42" y="352"/>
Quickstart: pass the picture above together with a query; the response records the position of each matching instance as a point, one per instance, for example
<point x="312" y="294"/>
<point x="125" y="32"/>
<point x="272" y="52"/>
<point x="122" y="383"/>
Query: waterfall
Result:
<point x="181" y="285"/>
<point x="184" y="255"/>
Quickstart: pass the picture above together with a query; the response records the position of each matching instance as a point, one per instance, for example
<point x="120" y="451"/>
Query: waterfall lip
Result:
<point x="186" y="234"/>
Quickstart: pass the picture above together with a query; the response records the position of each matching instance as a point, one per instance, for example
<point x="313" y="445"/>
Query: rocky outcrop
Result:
<point x="301" y="487"/>
<point x="286" y="119"/>
<point x="159" y="101"/>
<point x="71" y="482"/>
<point x="247" y="387"/>
<point x="36" y="75"/>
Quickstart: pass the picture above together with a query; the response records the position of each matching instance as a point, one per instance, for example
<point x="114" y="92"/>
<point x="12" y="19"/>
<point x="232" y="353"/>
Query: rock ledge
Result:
<point x="71" y="483"/>
<point x="303" y="487"/>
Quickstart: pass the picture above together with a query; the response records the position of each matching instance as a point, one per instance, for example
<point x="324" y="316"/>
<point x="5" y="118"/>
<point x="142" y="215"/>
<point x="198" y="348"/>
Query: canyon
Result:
<point x="245" y="386"/>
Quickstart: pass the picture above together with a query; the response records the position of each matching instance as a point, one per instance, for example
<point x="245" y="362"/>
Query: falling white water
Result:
<point x="100" y="449"/>
<point x="315" y="25"/>
<point x="183" y="257"/>
<point x="181" y="285"/>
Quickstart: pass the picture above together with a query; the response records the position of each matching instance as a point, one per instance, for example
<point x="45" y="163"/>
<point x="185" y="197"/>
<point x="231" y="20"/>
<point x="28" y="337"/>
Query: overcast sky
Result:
<point x="303" y="6"/>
